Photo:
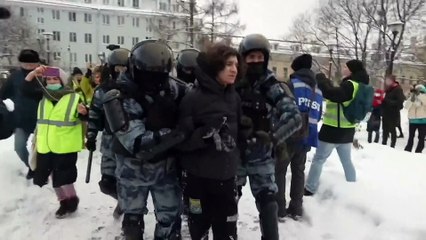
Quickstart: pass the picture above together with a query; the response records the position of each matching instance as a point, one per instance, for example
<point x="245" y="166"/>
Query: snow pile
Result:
<point x="387" y="202"/>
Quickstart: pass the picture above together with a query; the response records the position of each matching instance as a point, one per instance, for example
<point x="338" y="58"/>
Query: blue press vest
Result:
<point x="306" y="100"/>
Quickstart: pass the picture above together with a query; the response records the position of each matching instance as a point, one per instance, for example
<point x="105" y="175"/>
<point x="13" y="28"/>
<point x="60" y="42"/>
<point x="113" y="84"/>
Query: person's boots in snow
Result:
<point x="30" y="174"/>
<point x="62" y="210"/>
<point x="117" y="212"/>
<point x="133" y="227"/>
<point x="268" y="215"/>
<point x="308" y="193"/>
<point x="73" y="204"/>
<point x="108" y="185"/>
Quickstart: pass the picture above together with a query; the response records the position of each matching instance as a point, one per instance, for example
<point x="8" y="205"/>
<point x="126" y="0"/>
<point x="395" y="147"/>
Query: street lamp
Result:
<point x="47" y="35"/>
<point x="331" y="47"/>
<point x="395" y="28"/>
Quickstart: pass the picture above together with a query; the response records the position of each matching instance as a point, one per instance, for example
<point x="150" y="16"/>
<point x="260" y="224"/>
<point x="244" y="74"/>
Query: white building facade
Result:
<point x="79" y="30"/>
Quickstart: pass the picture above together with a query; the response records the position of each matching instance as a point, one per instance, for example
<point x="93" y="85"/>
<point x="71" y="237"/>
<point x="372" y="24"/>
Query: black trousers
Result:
<point x="295" y="156"/>
<point x="61" y="166"/>
<point x="421" y="128"/>
<point x="212" y="203"/>
<point x="389" y="128"/>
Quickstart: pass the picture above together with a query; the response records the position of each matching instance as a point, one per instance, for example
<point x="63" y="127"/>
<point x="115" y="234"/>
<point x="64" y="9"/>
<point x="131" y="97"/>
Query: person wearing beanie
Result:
<point x="59" y="117"/>
<point x="337" y="132"/>
<point x="309" y="100"/>
<point x="416" y="106"/>
<point x="82" y="85"/>
<point x="391" y="109"/>
<point x="25" y="112"/>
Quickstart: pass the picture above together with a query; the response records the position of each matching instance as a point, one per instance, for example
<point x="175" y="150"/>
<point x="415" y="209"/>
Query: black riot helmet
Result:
<point x="118" y="57"/>
<point x="150" y="63"/>
<point x="186" y="63"/>
<point x="255" y="42"/>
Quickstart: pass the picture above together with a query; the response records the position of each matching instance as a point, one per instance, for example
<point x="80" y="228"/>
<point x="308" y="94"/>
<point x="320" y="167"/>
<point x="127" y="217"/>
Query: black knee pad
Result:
<point x="108" y="185"/>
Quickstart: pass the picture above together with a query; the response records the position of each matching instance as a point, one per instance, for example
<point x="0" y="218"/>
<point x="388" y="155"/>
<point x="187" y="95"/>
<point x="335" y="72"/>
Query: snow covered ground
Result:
<point x="387" y="203"/>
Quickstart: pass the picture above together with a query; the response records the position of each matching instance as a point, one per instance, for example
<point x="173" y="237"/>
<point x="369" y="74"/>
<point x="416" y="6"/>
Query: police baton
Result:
<point x="89" y="167"/>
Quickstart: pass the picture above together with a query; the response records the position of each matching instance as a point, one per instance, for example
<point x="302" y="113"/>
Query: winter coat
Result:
<point x="392" y="105"/>
<point x="379" y="95"/>
<point x="416" y="106"/>
<point x="302" y="83"/>
<point x="203" y="107"/>
<point x="373" y="124"/>
<point x="25" y="113"/>
<point x="342" y="93"/>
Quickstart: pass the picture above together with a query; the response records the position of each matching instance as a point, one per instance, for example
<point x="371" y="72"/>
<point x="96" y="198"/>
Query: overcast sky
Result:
<point x="272" y="18"/>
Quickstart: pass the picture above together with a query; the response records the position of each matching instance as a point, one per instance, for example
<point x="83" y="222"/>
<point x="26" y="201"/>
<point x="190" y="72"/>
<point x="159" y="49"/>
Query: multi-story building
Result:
<point x="78" y="31"/>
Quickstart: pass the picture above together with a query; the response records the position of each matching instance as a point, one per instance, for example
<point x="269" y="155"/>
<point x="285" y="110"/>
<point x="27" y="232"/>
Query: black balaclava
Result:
<point x="152" y="83"/>
<point x="255" y="70"/>
<point x="186" y="77"/>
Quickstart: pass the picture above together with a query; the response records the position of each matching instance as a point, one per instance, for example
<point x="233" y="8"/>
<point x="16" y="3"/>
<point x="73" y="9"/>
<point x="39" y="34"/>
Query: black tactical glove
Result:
<point x="263" y="137"/>
<point x="91" y="141"/>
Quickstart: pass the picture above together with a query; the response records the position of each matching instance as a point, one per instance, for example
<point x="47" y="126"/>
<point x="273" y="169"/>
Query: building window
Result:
<point x="120" y="20"/>
<point x="135" y="40"/>
<point x="40" y="10"/>
<point x="57" y="55"/>
<point x="274" y="69"/>
<point x="73" y="37"/>
<point x="75" y="57"/>
<point x="163" y="6"/>
<point x="40" y="31"/>
<point x="120" y="40"/>
<point x="40" y="20"/>
<point x="120" y="3"/>
<point x="106" y="2"/>
<point x="88" y="38"/>
<point x="160" y="23"/>
<point x="174" y="25"/>
<point x="22" y="11"/>
<point x="135" y="22"/>
<point x="87" y="1"/>
<point x="87" y="17"/>
<point x="285" y="73"/>
<point x="88" y="58"/>
<point x="175" y="7"/>
<point x="135" y="3"/>
<point x="105" y="39"/>
<point x="105" y="19"/>
<point x="55" y="14"/>
<point x="72" y="16"/>
<point x="56" y="36"/>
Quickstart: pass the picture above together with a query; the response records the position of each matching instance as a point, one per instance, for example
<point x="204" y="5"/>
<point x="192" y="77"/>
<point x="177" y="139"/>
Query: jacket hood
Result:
<point x="361" y="77"/>
<point x="207" y="83"/>
<point x="305" y="75"/>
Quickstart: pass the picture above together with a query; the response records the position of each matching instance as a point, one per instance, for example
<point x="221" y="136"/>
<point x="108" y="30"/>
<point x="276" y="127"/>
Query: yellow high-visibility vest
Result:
<point x="58" y="128"/>
<point x="331" y="116"/>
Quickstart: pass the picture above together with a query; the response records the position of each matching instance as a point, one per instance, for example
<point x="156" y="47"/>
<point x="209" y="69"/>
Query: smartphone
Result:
<point x="51" y="72"/>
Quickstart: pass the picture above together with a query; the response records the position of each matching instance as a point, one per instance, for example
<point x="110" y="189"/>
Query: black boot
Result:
<point x="268" y="215"/>
<point x="62" y="210"/>
<point x="73" y="204"/>
<point x="117" y="212"/>
<point x="133" y="227"/>
<point x="30" y="174"/>
<point x="370" y="137"/>
<point x="108" y="185"/>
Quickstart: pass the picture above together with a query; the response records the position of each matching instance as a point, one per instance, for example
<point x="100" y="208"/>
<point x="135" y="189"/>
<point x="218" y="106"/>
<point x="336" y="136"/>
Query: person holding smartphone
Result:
<point x="59" y="117"/>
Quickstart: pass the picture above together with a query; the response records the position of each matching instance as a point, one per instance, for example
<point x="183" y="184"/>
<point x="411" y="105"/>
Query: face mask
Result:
<point x="54" y="87"/>
<point x="255" y="70"/>
<point x="187" y="77"/>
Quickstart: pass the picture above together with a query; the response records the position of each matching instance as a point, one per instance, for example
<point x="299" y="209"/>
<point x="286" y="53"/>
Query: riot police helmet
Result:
<point x="186" y="63"/>
<point x="118" y="61"/>
<point x="150" y="63"/>
<point x="255" y="42"/>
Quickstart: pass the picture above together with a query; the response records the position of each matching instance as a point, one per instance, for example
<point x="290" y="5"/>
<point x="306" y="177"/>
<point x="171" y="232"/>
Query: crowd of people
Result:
<point x="192" y="140"/>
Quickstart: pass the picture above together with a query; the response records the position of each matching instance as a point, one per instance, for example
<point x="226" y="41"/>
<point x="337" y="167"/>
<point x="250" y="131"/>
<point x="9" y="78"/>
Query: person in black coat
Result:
<point x="391" y="107"/>
<point x="25" y="113"/>
<point x="210" y="114"/>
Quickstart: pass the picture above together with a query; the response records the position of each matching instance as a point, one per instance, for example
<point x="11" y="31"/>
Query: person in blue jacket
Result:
<point x="309" y="99"/>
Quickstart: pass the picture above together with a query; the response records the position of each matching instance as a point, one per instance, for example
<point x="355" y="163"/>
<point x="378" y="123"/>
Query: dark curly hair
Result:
<point x="214" y="59"/>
